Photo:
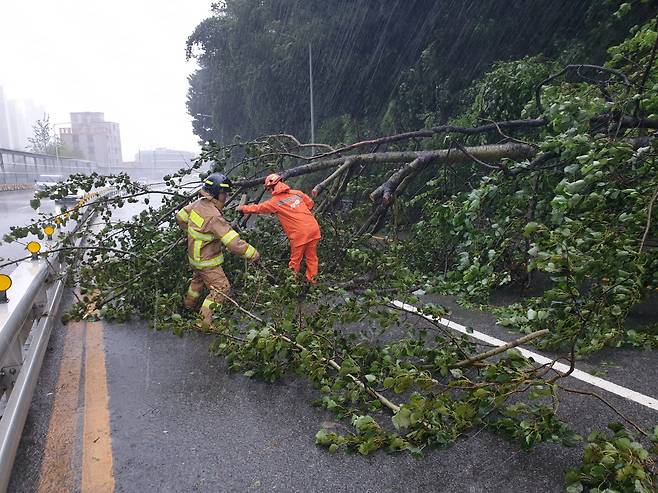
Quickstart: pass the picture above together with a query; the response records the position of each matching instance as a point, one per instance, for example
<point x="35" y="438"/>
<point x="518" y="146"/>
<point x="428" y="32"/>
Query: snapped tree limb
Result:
<point x="501" y="349"/>
<point x="443" y="129"/>
<point x="317" y="189"/>
<point x="386" y="190"/>
<point x="578" y="69"/>
<point x="624" y="121"/>
<point x="490" y="152"/>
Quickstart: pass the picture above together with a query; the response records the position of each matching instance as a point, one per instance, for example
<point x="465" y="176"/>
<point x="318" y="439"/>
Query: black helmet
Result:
<point x="216" y="183"/>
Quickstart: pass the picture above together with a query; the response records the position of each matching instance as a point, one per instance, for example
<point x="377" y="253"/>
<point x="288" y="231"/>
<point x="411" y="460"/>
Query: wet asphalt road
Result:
<point x="179" y="422"/>
<point x="15" y="210"/>
<point x="228" y="433"/>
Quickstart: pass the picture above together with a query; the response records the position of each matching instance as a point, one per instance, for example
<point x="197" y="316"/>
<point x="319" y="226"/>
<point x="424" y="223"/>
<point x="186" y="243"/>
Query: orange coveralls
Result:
<point x="206" y="231"/>
<point x="293" y="209"/>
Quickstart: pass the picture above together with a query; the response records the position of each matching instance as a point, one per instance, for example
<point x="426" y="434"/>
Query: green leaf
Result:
<point x="323" y="437"/>
<point x="575" y="488"/>
<point x="530" y="228"/>
<point x="362" y="423"/>
<point x="575" y="187"/>
<point x="368" y="446"/>
<point x="303" y="337"/>
<point x="349" y="367"/>
<point x="464" y="411"/>
<point x="402" y="419"/>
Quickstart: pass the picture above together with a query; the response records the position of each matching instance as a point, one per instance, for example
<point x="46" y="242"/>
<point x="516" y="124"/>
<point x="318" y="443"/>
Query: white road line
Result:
<point x="613" y="388"/>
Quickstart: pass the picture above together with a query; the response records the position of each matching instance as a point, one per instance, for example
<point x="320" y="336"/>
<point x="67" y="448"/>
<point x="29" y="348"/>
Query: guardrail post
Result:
<point x="13" y="358"/>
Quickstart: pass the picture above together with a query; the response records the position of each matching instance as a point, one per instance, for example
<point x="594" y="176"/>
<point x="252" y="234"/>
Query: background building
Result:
<point x="4" y="121"/>
<point x="93" y="137"/>
<point x="17" y="117"/>
<point x="164" y="159"/>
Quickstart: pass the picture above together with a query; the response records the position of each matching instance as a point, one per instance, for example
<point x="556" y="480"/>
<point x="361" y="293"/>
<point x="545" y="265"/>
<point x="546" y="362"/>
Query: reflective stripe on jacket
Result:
<point x="207" y="231"/>
<point x="293" y="209"/>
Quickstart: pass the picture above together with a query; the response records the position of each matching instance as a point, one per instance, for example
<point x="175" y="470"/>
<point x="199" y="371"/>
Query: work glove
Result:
<point x="256" y="257"/>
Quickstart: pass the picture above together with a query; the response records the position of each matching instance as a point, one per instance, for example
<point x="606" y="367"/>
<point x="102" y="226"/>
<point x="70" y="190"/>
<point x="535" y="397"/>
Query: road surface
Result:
<point x="15" y="210"/>
<point x="121" y="408"/>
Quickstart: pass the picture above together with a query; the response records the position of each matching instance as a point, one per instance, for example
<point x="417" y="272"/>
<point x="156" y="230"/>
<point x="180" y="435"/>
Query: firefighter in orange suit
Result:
<point x="293" y="208"/>
<point x="208" y="233"/>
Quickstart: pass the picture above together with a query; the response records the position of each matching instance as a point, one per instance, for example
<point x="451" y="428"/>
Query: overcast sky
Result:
<point x="125" y="58"/>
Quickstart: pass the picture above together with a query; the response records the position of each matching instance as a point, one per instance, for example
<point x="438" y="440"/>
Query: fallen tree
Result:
<point x="568" y="195"/>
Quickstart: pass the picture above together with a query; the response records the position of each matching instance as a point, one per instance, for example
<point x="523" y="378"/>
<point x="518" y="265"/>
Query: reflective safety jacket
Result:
<point x="293" y="208"/>
<point x="207" y="230"/>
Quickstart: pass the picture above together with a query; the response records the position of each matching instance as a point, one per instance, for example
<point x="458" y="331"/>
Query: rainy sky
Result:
<point x="125" y="58"/>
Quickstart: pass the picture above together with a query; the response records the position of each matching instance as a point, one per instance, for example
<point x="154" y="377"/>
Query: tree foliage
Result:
<point x="43" y="140"/>
<point x="616" y="463"/>
<point x="378" y="65"/>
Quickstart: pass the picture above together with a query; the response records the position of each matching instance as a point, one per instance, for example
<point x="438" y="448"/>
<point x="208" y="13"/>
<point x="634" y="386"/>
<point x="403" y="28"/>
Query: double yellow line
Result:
<point x="78" y="447"/>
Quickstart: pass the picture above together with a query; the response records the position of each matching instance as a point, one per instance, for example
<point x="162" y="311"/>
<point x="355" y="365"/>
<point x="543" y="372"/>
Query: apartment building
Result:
<point x="93" y="137"/>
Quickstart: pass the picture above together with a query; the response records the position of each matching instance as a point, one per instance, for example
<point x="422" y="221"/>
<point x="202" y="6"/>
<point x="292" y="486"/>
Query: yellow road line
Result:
<point x="56" y="473"/>
<point x="97" y="475"/>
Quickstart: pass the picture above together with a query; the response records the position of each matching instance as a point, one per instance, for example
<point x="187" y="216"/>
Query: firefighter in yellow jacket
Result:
<point x="207" y="235"/>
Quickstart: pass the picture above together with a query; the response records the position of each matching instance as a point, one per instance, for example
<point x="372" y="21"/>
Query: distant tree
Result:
<point x="378" y="66"/>
<point x="43" y="139"/>
<point x="66" y="151"/>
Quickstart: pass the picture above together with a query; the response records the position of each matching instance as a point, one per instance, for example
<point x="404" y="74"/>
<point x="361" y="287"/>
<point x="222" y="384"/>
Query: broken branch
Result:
<point x="489" y="152"/>
<point x="501" y="349"/>
<point x="577" y="69"/>
<point x="317" y="189"/>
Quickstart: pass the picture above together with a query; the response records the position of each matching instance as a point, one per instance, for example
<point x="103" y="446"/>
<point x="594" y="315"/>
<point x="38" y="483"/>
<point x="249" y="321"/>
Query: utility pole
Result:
<point x="310" y="76"/>
<point x="59" y="165"/>
<point x="56" y="142"/>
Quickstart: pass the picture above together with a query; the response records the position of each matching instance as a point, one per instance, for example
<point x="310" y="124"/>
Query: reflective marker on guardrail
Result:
<point x="49" y="230"/>
<point x="5" y="284"/>
<point x="34" y="247"/>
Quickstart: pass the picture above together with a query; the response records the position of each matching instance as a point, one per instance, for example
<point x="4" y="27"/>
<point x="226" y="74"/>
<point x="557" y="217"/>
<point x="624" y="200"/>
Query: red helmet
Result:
<point x="272" y="180"/>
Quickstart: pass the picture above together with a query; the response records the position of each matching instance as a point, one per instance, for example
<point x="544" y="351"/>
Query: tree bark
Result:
<point x="624" y="121"/>
<point x="431" y="132"/>
<point x="501" y="349"/>
<point x="385" y="191"/>
<point x="317" y="189"/>
<point x="490" y="152"/>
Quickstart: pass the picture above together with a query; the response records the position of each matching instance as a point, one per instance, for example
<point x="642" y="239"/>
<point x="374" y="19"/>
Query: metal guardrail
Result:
<point x="21" y="369"/>
<point x="27" y="167"/>
<point x="26" y="322"/>
<point x="28" y="281"/>
<point x="15" y="186"/>
<point x="21" y="167"/>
